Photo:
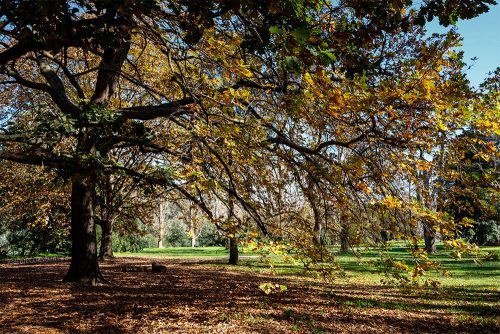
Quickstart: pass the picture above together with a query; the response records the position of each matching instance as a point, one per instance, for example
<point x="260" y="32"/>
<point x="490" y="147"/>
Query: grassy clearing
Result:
<point x="470" y="296"/>
<point x="465" y="273"/>
<point x="179" y="252"/>
<point x="208" y="296"/>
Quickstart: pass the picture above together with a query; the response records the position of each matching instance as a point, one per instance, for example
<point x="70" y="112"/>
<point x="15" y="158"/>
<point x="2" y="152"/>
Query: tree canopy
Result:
<point x="268" y="105"/>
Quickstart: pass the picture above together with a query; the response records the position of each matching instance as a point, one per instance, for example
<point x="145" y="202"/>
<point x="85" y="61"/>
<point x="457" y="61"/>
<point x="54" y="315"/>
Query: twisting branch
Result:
<point x="57" y="91"/>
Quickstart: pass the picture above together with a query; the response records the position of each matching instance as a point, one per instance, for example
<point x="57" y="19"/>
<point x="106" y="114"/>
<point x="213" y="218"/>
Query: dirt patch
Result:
<point x="197" y="297"/>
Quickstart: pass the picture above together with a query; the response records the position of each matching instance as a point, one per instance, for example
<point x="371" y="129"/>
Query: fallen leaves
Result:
<point x="202" y="297"/>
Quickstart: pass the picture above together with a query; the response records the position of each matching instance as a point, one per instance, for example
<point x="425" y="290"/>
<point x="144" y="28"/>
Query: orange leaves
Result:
<point x="364" y="188"/>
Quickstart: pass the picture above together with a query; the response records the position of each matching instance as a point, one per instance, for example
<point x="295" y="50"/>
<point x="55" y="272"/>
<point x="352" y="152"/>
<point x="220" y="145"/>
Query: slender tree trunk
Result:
<point x="233" y="243"/>
<point x="344" y="233"/>
<point x="233" y="251"/>
<point x="192" y="229"/>
<point x="317" y="223"/>
<point x="160" y="237"/>
<point x="84" y="267"/>
<point x="430" y="240"/>
<point x="161" y="226"/>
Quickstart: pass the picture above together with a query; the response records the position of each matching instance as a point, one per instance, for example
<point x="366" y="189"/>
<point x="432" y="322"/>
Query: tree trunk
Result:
<point x="233" y="251"/>
<point x="192" y="229"/>
<point x="106" y="249"/>
<point x="107" y="220"/>
<point x="233" y="243"/>
<point x="161" y="226"/>
<point x="84" y="267"/>
<point x="317" y="226"/>
<point x="344" y="233"/>
<point x="430" y="240"/>
<point x="385" y="236"/>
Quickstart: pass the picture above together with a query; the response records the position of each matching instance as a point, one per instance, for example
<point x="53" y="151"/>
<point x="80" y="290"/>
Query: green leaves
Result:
<point x="95" y="114"/>
<point x="293" y="63"/>
<point x="301" y="35"/>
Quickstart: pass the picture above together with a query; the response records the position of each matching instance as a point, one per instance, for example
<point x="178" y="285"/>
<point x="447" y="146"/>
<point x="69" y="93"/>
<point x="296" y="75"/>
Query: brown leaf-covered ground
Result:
<point x="200" y="297"/>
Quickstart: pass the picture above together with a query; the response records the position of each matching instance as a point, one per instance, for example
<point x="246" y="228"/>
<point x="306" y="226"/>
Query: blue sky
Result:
<point x="481" y="39"/>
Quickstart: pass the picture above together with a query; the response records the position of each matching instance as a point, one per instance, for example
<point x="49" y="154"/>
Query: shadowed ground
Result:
<point x="200" y="297"/>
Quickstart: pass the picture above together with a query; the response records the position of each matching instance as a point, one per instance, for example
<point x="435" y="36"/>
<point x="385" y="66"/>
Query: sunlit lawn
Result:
<point x="182" y="252"/>
<point x="465" y="272"/>
<point x="471" y="293"/>
<point x="470" y="298"/>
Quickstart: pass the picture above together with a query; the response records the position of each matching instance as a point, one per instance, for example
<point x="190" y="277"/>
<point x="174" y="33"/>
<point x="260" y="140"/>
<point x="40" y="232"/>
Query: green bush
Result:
<point x="24" y="238"/>
<point x="211" y="237"/>
<point x="129" y="237"/>
<point x="485" y="233"/>
<point x="176" y="235"/>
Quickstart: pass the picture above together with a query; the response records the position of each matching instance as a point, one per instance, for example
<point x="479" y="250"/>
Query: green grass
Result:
<point x="40" y="255"/>
<point x="179" y="252"/>
<point x="465" y="273"/>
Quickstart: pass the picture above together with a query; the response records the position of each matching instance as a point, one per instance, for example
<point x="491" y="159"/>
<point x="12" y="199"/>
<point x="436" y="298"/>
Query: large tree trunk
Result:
<point x="84" y="267"/>
<point x="233" y="251"/>
<point x="106" y="249"/>
<point x="193" y="240"/>
<point x="107" y="220"/>
<point x="317" y="225"/>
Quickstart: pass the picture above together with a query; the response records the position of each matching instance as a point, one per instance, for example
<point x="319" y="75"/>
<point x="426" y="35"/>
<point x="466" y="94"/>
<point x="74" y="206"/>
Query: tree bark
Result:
<point x="106" y="249"/>
<point x="193" y="240"/>
<point x="192" y="229"/>
<point x="84" y="268"/>
<point x="317" y="225"/>
<point x="161" y="226"/>
<point x="107" y="220"/>
<point x="430" y="240"/>
<point x="344" y="233"/>
<point x="233" y="243"/>
<point x="233" y="251"/>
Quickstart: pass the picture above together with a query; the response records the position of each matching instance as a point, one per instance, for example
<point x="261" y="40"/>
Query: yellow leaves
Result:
<point x="241" y="69"/>
<point x="428" y="87"/>
<point x="391" y="203"/>
<point x="460" y="247"/>
<point x="401" y="265"/>
<point x="308" y="79"/>
<point x="271" y="287"/>
<point x="441" y="126"/>
<point x="466" y="222"/>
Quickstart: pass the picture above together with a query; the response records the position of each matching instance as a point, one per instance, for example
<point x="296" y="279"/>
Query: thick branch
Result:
<point x="32" y="159"/>
<point x="57" y="91"/>
<point x="108" y="75"/>
<point x="163" y="110"/>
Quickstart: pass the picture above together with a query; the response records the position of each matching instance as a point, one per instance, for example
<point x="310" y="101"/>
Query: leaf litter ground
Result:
<point x="205" y="297"/>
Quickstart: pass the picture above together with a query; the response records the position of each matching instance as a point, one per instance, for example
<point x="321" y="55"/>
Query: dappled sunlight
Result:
<point x="198" y="296"/>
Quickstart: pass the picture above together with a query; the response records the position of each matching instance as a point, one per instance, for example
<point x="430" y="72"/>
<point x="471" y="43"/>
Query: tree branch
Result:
<point x="57" y="91"/>
<point x="163" y="110"/>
